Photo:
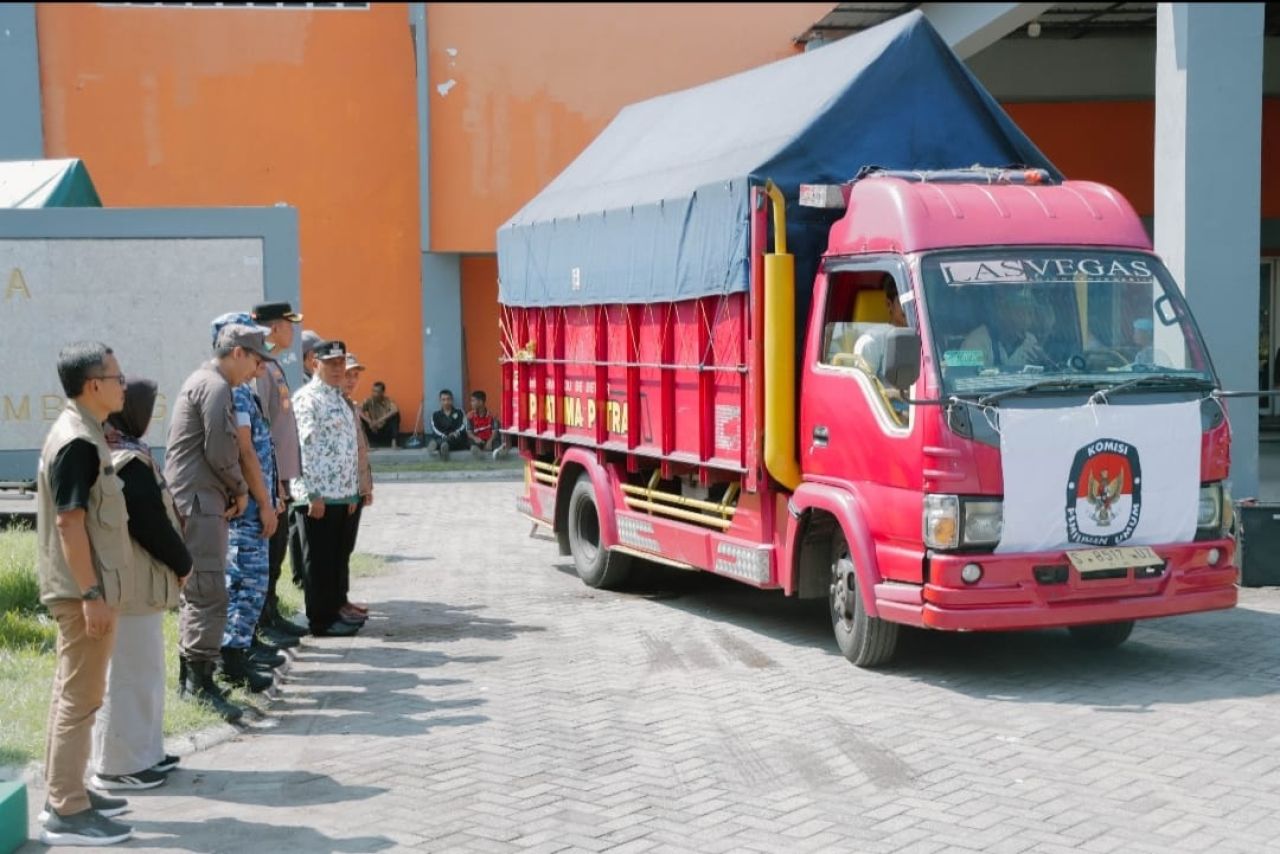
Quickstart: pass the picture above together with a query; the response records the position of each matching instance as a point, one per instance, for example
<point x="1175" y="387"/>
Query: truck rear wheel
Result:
<point x="1102" y="635"/>
<point x="597" y="566"/>
<point x="865" y="640"/>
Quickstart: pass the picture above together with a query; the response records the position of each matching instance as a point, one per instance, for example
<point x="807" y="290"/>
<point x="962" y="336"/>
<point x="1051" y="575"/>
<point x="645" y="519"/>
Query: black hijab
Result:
<point x="139" y="403"/>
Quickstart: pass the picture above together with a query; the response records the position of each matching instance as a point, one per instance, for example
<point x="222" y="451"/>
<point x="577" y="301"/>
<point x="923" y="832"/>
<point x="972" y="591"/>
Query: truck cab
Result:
<point x="975" y="339"/>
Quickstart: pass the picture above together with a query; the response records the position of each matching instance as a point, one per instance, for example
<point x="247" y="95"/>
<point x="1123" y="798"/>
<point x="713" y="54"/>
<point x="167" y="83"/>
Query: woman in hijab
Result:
<point x="128" y="737"/>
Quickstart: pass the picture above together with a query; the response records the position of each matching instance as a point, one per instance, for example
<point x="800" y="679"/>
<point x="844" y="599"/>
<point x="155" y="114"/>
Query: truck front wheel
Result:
<point x="1102" y="635"/>
<point x="865" y="640"/>
<point x="596" y="565"/>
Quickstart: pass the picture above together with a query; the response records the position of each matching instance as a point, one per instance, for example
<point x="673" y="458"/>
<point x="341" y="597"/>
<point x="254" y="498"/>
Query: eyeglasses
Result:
<point x="117" y="377"/>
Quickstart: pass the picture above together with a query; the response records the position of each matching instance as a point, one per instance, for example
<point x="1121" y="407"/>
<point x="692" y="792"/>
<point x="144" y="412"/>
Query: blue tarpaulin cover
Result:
<point x="655" y="208"/>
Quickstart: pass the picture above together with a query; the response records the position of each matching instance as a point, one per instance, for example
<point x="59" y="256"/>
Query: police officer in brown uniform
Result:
<point x="202" y="466"/>
<point x="82" y="564"/>
<point x="273" y="391"/>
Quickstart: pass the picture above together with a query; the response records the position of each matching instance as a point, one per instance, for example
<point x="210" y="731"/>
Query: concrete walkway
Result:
<point x="494" y="703"/>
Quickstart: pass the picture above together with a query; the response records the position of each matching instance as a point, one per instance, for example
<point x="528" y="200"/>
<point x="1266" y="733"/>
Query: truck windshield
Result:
<point x="1006" y="318"/>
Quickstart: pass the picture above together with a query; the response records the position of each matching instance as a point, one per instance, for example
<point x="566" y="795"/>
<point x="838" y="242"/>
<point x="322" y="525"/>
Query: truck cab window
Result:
<point x="862" y="307"/>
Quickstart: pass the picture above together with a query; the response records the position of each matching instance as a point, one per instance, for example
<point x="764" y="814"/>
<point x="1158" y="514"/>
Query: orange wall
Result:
<point x="189" y="107"/>
<point x="480" y="325"/>
<point x="1114" y="142"/>
<point x="532" y="84"/>
<point x="175" y="106"/>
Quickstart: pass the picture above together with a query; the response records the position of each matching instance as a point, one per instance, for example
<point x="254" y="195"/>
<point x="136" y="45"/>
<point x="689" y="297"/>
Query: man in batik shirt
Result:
<point x="323" y="497"/>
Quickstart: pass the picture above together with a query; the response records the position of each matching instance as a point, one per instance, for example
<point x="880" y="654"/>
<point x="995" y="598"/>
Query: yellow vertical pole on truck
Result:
<point x="780" y="351"/>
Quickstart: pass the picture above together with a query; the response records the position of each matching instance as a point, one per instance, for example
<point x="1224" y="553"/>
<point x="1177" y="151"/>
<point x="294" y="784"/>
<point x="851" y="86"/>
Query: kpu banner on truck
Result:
<point x="1099" y="476"/>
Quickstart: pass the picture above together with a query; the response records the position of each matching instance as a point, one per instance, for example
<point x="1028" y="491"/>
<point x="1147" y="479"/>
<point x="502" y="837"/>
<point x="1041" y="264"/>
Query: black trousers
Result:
<point x="297" y="568"/>
<point x="322" y="543"/>
<point x="276" y="550"/>
<point x="381" y="438"/>
<point x="349" y="534"/>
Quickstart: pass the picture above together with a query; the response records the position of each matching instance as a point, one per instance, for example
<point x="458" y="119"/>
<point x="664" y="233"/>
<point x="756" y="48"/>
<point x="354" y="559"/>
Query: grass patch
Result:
<point x="28" y="637"/>
<point x="26" y="677"/>
<point x="368" y="566"/>
<point x="19" y="592"/>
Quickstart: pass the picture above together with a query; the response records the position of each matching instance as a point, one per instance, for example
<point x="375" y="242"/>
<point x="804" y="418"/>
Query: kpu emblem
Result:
<point x="1104" y="493"/>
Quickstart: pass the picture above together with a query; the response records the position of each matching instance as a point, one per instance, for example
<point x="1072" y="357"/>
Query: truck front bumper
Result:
<point x="1043" y="590"/>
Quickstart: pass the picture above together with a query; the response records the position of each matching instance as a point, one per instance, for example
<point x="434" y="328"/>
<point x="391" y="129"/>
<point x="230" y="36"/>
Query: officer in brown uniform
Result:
<point x="202" y="466"/>
<point x="273" y="391"/>
<point x="82" y="564"/>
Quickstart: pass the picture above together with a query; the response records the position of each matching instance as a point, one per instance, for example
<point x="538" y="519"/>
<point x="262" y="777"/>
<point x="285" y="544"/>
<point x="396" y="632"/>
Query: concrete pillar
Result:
<point x="1208" y="191"/>
<point x="441" y="273"/>
<point x="970" y="27"/>
<point x="21" y="131"/>
<point x="441" y="327"/>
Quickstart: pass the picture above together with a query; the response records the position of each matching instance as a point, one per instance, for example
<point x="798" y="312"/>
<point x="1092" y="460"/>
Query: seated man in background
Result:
<point x="448" y="428"/>
<point x="483" y="429"/>
<point x="380" y="417"/>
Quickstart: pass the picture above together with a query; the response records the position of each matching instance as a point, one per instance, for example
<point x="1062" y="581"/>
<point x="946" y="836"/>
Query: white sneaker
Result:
<point x="145" y="779"/>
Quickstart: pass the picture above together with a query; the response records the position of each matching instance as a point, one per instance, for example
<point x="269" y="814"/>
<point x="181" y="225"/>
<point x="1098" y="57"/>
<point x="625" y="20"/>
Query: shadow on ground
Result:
<point x="1225" y="654"/>
<point x="440" y="622"/>
<point x="233" y="835"/>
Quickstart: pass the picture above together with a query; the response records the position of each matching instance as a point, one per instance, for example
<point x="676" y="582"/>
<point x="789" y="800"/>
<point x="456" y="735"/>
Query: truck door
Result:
<point x="853" y="427"/>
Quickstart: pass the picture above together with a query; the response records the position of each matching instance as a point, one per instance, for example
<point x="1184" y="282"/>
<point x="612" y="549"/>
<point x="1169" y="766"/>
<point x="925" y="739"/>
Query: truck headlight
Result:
<point x="941" y="521"/>
<point x="1209" y="515"/>
<point x="951" y="521"/>
<point x="983" y="521"/>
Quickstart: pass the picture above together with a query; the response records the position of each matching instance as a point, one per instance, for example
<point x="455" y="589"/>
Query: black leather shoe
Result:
<point x="284" y="625"/>
<point x="275" y="640"/>
<point x="336" y="629"/>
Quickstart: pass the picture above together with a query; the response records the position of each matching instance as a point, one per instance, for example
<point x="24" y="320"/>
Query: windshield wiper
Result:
<point x="1157" y="380"/>
<point x="1035" y="386"/>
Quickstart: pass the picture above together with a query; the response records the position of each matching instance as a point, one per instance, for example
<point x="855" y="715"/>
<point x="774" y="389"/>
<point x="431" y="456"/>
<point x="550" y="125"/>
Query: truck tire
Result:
<point x="1102" y="635"/>
<point x="597" y="567"/>
<point x="865" y="640"/>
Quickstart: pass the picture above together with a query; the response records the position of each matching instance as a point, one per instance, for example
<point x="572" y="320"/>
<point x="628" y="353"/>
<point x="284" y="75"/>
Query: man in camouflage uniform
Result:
<point x="248" y="546"/>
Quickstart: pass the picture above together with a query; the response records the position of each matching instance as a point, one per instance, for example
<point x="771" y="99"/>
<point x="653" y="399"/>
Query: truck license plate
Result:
<point x="1100" y="560"/>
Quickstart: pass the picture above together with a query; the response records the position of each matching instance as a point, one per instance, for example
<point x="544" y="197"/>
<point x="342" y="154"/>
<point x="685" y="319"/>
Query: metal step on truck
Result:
<point x="779" y="328"/>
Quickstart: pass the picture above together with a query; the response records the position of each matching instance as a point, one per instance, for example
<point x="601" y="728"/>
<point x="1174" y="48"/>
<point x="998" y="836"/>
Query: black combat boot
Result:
<point x="197" y="683"/>
<point x="239" y="670"/>
<point x="265" y="654"/>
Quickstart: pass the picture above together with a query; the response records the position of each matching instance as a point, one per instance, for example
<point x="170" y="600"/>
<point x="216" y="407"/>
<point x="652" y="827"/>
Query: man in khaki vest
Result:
<point x="83" y="562"/>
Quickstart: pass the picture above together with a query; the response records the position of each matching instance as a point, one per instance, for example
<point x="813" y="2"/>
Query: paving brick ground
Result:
<point x="494" y="703"/>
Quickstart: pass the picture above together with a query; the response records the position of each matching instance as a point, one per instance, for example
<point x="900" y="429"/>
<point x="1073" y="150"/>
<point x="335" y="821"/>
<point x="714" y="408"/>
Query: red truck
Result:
<point x="987" y="408"/>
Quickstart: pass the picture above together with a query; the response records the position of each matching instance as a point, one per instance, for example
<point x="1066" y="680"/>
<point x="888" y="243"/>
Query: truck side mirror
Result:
<point x="901" y="365"/>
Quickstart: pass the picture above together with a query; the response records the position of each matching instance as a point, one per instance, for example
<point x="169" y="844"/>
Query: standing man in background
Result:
<point x="353" y="612"/>
<point x="273" y="391"/>
<point x="310" y="341"/>
<point x="84" y="555"/>
<point x="202" y="466"/>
